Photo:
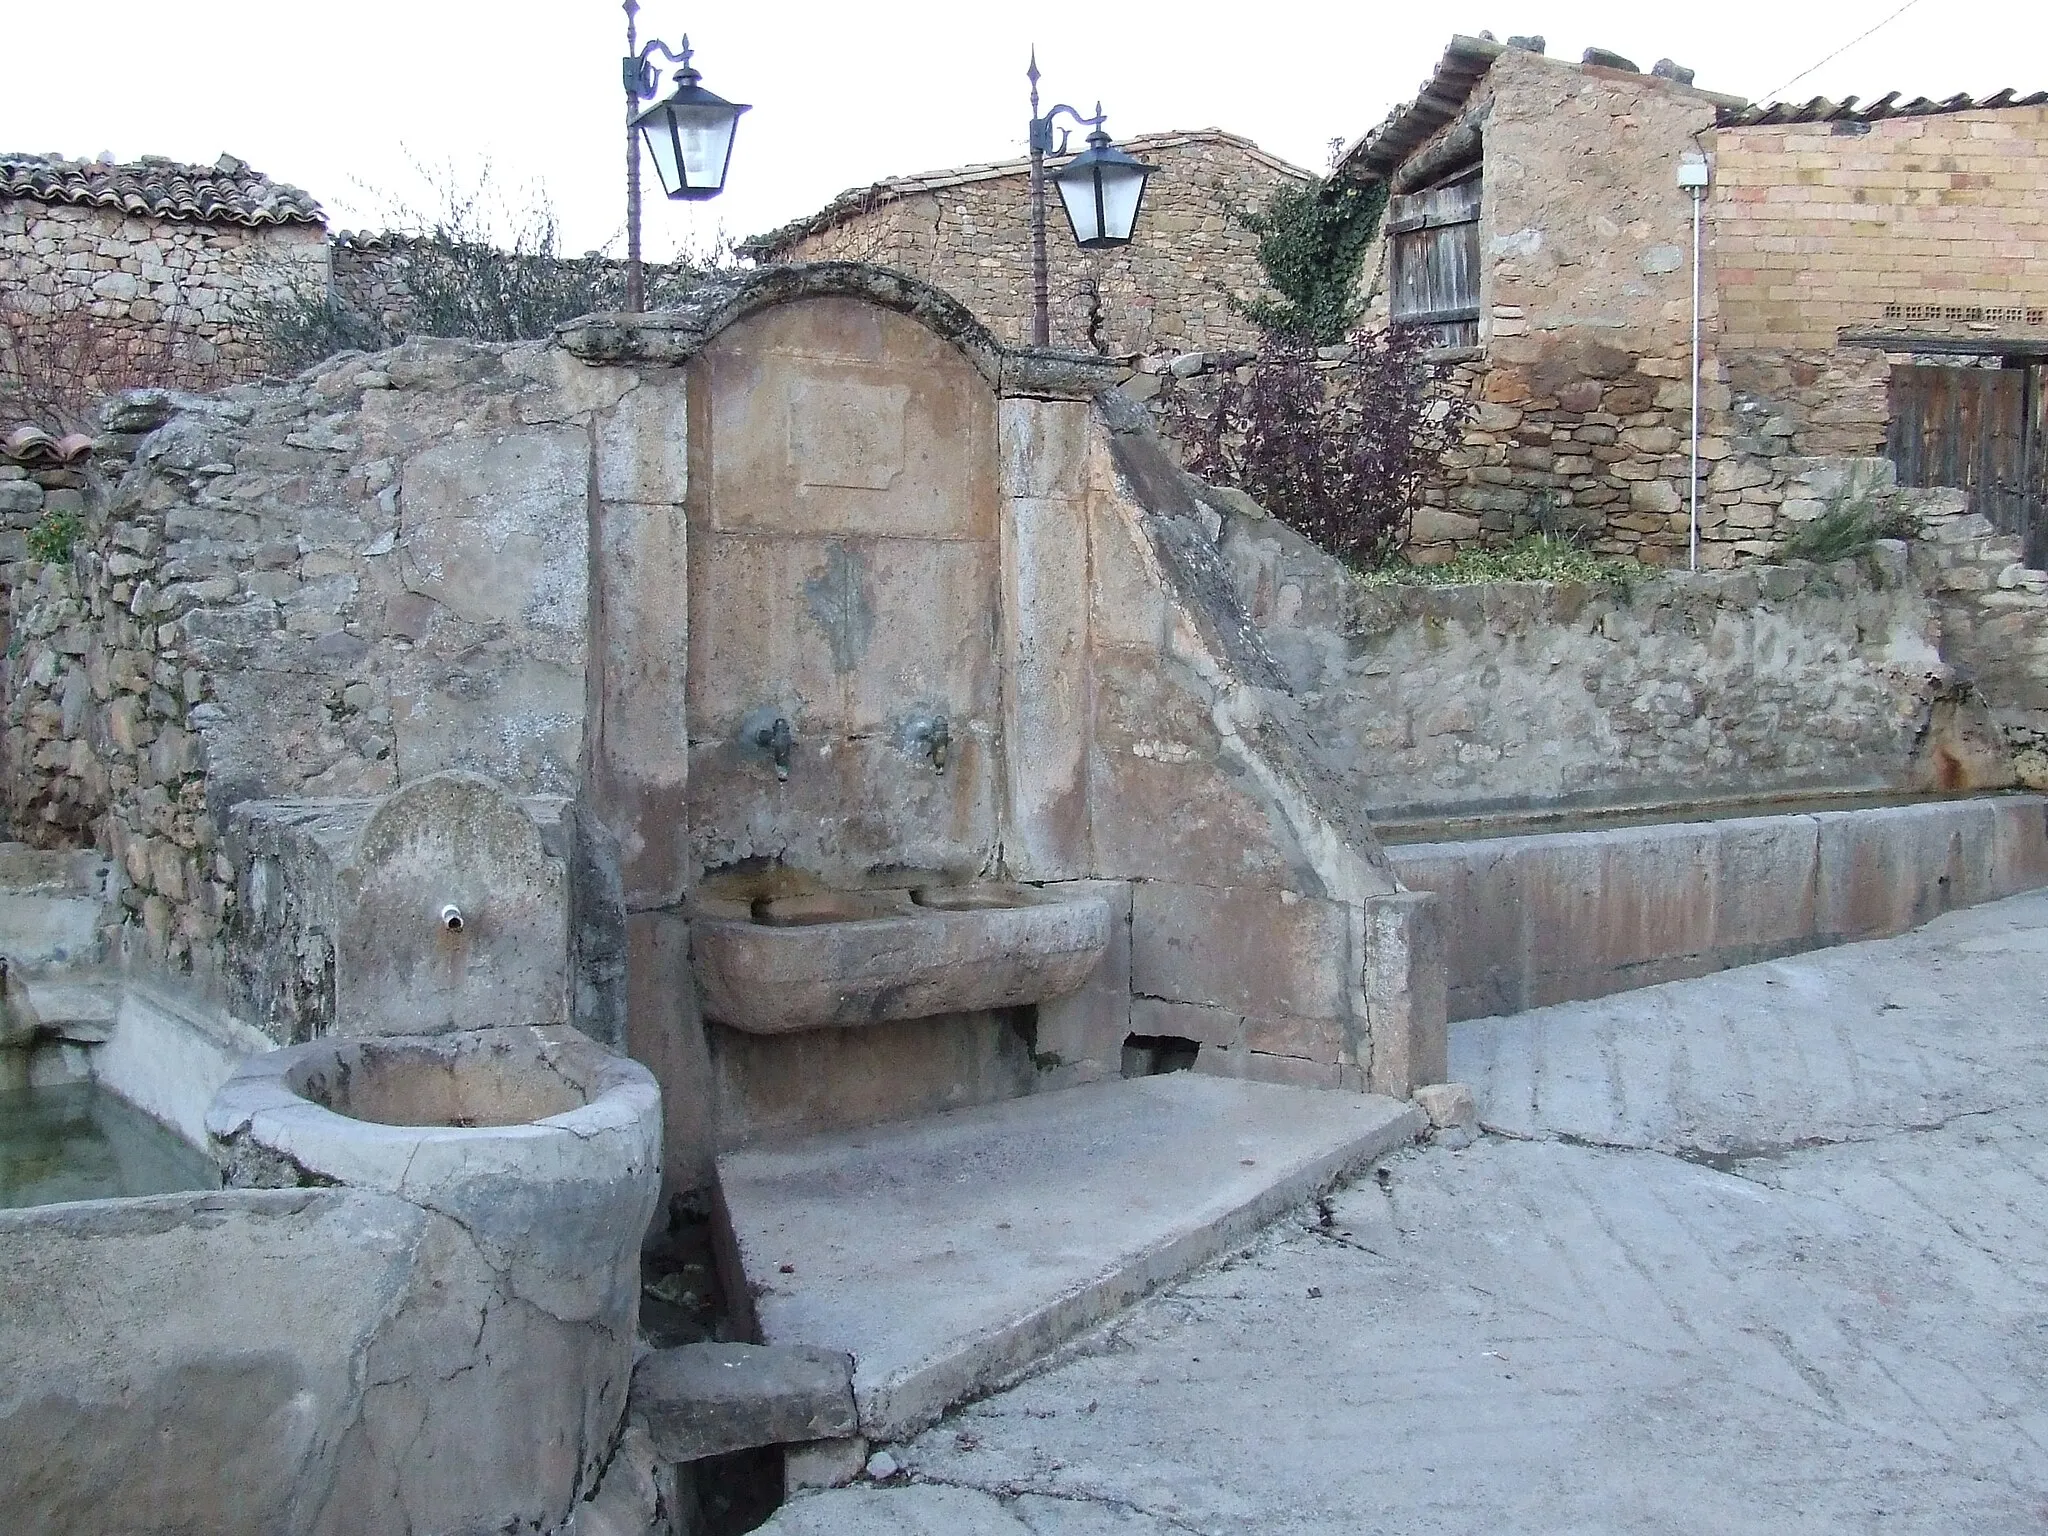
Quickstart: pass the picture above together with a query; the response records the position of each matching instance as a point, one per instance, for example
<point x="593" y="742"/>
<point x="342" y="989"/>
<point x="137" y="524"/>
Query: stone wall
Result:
<point x="1581" y="381"/>
<point x="150" y="299"/>
<point x="1771" y="681"/>
<point x="1170" y="291"/>
<point x="248" y="614"/>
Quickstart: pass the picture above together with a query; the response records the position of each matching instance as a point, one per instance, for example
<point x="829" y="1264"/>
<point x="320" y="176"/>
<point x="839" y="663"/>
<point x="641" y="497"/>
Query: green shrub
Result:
<point x="52" y="538"/>
<point x="1313" y="237"/>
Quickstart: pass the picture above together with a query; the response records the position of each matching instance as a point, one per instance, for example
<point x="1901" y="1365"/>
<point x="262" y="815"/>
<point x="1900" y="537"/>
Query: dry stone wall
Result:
<point x="177" y="296"/>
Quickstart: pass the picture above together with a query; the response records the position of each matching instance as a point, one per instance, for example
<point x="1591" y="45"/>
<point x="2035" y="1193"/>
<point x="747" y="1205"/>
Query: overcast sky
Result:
<point x="344" y="100"/>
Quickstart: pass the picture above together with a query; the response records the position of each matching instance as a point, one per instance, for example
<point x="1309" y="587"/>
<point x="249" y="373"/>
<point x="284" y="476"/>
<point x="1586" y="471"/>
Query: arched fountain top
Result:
<point x="674" y="336"/>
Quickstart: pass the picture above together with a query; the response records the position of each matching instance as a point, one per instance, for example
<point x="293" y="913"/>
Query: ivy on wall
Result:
<point x="1313" y="237"/>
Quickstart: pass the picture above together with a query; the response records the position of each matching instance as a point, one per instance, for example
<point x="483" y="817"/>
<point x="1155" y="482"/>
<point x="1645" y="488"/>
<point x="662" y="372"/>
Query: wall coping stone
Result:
<point x="674" y="336"/>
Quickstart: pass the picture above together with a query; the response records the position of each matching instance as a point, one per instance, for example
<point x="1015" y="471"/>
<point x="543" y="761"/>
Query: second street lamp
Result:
<point x="1101" y="189"/>
<point x="689" y="135"/>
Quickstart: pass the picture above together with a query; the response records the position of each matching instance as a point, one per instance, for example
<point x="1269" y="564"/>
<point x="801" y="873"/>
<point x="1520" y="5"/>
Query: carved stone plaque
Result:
<point x="844" y="433"/>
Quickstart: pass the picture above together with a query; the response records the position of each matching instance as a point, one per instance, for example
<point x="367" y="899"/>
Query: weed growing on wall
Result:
<point x="59" y="359"/>
<point x="53" y="536"/>
<point x="1540" y="557"/>
<point x="481" y="267"/>
<point x="1336" y="448"/>
<point x="1313" y="238"/>
<point x="1848" y="530"/>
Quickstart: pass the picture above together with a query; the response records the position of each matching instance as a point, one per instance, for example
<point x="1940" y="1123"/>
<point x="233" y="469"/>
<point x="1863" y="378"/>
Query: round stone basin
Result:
<point x="470" y="1082"/>
<point x="542" y="1144"/>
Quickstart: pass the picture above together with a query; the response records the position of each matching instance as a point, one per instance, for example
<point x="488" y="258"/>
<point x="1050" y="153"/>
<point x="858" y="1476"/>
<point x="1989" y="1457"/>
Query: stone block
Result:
<point x="822" y="1464"/>
<point x="643" y="444"/>
<point x="1044" y="446"/>
<point x="1448" y="1105"/>
<point x="701" y="1400"/>
<point x="1884" y="871"/>
<point x="1405" y="1000"/>
<point x="1256" y="952"/>
<point x="1046" y="697"/>
<point x="1086" y="1029"/>
<point x="403" y="964"/>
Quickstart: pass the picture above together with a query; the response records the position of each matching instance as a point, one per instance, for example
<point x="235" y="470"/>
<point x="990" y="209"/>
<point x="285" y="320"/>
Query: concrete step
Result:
<point x="945" y="1254"/>
<point x="80" y="1010"/>
<point x="52" y="903"/>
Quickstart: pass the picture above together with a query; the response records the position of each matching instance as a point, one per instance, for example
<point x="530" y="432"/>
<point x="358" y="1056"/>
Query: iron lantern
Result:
<point x="690" y="136"/>
<point x="1101" y="188"/>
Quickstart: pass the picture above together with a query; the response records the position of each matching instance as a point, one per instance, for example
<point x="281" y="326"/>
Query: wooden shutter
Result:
<point x="1435" y="244"/>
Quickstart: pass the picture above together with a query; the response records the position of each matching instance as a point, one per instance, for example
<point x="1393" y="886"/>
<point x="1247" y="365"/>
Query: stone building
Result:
<point x="1538" y="226"/>
<point x="148" y="272"/>
<point x="968" y="231"/>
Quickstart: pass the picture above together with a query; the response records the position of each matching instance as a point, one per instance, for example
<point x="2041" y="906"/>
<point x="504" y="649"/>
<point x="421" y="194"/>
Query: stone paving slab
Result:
<point x="1541" y="1333"/>
<point x="1951" y="1019"/>
<point x="946" y="1254"/>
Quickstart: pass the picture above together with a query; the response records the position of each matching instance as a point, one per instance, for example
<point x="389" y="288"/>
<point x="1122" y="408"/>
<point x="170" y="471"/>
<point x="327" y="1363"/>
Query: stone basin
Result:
<point x="839" y="959"/>
<point x="545" y="1146"/>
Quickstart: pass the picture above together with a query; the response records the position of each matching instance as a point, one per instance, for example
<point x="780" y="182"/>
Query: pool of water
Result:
<point x="78" y="1142"/>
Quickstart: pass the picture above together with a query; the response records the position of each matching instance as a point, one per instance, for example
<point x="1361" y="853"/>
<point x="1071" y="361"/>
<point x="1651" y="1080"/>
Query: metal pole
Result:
<point x="1041" y="317"/>
<point x="636" y="288"/>
<point x="1693" y="525"/>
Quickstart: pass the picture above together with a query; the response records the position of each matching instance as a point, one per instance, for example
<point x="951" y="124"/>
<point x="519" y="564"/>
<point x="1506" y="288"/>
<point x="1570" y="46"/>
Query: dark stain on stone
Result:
<point x="838" y="600"/>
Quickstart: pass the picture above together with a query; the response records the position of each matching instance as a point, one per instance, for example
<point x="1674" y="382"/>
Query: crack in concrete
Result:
<point x="1733" y="1160"/>
<point x="1009" y="1489"/>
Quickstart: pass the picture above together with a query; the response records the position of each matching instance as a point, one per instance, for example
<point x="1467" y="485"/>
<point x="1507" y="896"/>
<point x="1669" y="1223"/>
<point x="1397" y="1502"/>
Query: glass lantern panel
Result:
<point x="1122" y="188"/>
<point x="661" y="145"/>
<point x="1077" y="194"/>
<point x="705" y="134"/>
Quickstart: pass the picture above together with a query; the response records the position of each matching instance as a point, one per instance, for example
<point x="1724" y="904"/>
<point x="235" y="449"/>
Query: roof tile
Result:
<point x="226" y="192"/>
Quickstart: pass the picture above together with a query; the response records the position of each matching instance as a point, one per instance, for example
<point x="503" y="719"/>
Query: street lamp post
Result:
<point x="689" y="135"/>
<point x="1101" y="190"/>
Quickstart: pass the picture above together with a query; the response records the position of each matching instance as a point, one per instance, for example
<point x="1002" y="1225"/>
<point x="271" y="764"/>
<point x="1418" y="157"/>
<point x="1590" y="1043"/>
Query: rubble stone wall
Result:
<point x="174" y="289"/>
<point x="251" y="611"/>
<point x="1170" y="291"/>
<point x="1582" y="381"/>
<point x="1518" y="694"/>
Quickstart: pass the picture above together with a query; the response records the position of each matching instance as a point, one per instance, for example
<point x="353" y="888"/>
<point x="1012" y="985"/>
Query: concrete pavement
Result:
<point x="1761" y="1252"/>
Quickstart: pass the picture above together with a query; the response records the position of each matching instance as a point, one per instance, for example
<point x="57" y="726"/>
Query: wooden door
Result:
<point x="1982" y="430"/>
<point x="1435" y="237"/>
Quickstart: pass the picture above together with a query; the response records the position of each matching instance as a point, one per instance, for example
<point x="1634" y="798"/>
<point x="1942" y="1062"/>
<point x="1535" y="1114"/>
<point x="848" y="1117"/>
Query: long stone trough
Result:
<point x="1559" y="916"/>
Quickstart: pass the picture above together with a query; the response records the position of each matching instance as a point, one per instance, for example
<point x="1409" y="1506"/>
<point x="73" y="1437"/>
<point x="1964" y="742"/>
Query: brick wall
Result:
<point x="1169" y="291"/>
<point x="1817" y="229"/>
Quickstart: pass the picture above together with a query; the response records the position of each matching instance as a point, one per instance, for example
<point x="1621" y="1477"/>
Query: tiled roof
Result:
<point x="226" y="192"/>
<point x="1444" y="94"/>
<point x="890" y="189"/>
<point x="32" y="445"/>
<point x="1821" y="110"/>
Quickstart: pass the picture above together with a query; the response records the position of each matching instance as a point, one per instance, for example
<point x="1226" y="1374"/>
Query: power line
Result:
<point x="1771" y="94"/>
